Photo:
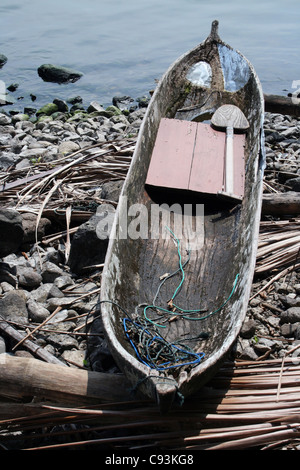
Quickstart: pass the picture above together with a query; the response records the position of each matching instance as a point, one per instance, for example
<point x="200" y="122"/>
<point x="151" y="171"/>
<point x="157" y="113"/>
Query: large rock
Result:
<point x="58" y="74"/>
<point x="90" y="242"/>
<point x="11" y="231"/>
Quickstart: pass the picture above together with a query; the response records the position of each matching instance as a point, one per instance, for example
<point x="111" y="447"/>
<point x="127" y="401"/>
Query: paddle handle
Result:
<point x="229" y="161"/>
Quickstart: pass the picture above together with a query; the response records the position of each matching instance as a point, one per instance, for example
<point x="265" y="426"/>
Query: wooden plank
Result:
<point x="207" y="171"/>
<point x="190" y="156"/>
<point x="281" y="203"/>
<point x="239" y="164"/>
<point x="172" y="154"/>
<point x="282" y="104"/>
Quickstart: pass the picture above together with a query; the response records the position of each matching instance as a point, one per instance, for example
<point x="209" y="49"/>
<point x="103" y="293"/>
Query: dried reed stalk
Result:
<point x="278" y="246"/>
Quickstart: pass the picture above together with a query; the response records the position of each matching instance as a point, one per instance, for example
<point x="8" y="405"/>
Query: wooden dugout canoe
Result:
<point x="170" y="333"/>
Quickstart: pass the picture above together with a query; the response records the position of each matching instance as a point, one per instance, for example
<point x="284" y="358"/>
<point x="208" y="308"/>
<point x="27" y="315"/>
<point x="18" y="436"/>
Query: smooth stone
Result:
<point x="61" y="105"/>
<point x="54" y="302"/>
<point x="264" y="345"/>
<point x="289" y="330"/>
<point x="95" y="107"/>
<point x="58" y="74"/>
<point x="248" y="354"/>
<point x="28" y="277"/>
<point x="68" y="147"/>
<point x="143" y="101"/>
<point x="6" y="287"/>
<point x="13" y="306"/>
<point x="36" y="312"/>
<point x="20" y="117"/>
<point x="74" y="100"/>
<point x="290" y="300"/>
<point x="34" y="153"/>
<point x="5" y="139"/>
<point x="29" y="110"/>
<point x="13" y="87"/>
<point x="8" y="274"/>
<point x="50" y="272"/>
<point x="24" y="163"/>
<point x="74" y="356"/>
<point x="63" y="281"/>
<point x="291" y="315"/>
<point x="47" y="109"/>
<point x="248" y="329"/>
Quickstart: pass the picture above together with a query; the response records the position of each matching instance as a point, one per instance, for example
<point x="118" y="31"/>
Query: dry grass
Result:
<point x="278" y="245"/>
<point x="74" y="181"/>
<point x="248" y="405"/>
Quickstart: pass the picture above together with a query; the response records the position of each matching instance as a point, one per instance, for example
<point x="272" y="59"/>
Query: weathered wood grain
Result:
<point x="225" y="248"/>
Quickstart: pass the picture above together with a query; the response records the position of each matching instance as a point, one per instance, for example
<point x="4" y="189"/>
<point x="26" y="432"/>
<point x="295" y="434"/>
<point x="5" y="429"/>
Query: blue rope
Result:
<point x="180" y="356"/>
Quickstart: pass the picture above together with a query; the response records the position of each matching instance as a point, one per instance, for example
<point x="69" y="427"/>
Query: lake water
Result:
<point x="123" y="46"/>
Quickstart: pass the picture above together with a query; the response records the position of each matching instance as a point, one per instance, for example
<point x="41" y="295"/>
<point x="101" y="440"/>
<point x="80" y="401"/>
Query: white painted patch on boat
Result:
<point x="200" y="74"/>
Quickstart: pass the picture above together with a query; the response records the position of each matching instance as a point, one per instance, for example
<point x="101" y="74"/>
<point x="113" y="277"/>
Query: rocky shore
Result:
<point x="38" y="281"/>
<point x="50" y="282"/>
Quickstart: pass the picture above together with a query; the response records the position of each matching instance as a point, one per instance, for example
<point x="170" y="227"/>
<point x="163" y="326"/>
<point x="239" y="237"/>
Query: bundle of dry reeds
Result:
<point x="248" y="405"/>
<point x="278" y="245"/>
<point x="74" y="180"/>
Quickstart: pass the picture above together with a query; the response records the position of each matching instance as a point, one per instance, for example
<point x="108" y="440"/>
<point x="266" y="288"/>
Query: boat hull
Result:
<point x="222" y="259"/>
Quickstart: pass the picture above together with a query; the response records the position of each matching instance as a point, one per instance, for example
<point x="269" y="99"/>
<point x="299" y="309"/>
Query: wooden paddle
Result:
<point x="231" y="118"/>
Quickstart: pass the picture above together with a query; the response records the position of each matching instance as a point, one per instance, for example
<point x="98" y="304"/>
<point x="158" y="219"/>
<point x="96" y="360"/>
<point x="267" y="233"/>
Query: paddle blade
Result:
<point x="229" y="115"/>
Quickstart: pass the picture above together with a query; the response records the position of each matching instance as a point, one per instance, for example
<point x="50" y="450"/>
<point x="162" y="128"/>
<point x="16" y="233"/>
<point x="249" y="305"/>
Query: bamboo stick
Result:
<point x="21" y="377"/>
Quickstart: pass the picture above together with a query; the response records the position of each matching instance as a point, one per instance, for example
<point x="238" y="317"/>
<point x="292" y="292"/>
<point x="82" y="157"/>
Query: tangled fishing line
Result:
<point x="142" y="332"/>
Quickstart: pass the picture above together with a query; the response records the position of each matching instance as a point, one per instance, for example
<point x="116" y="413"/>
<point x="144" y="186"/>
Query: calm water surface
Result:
<point x="122" y="47"/>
